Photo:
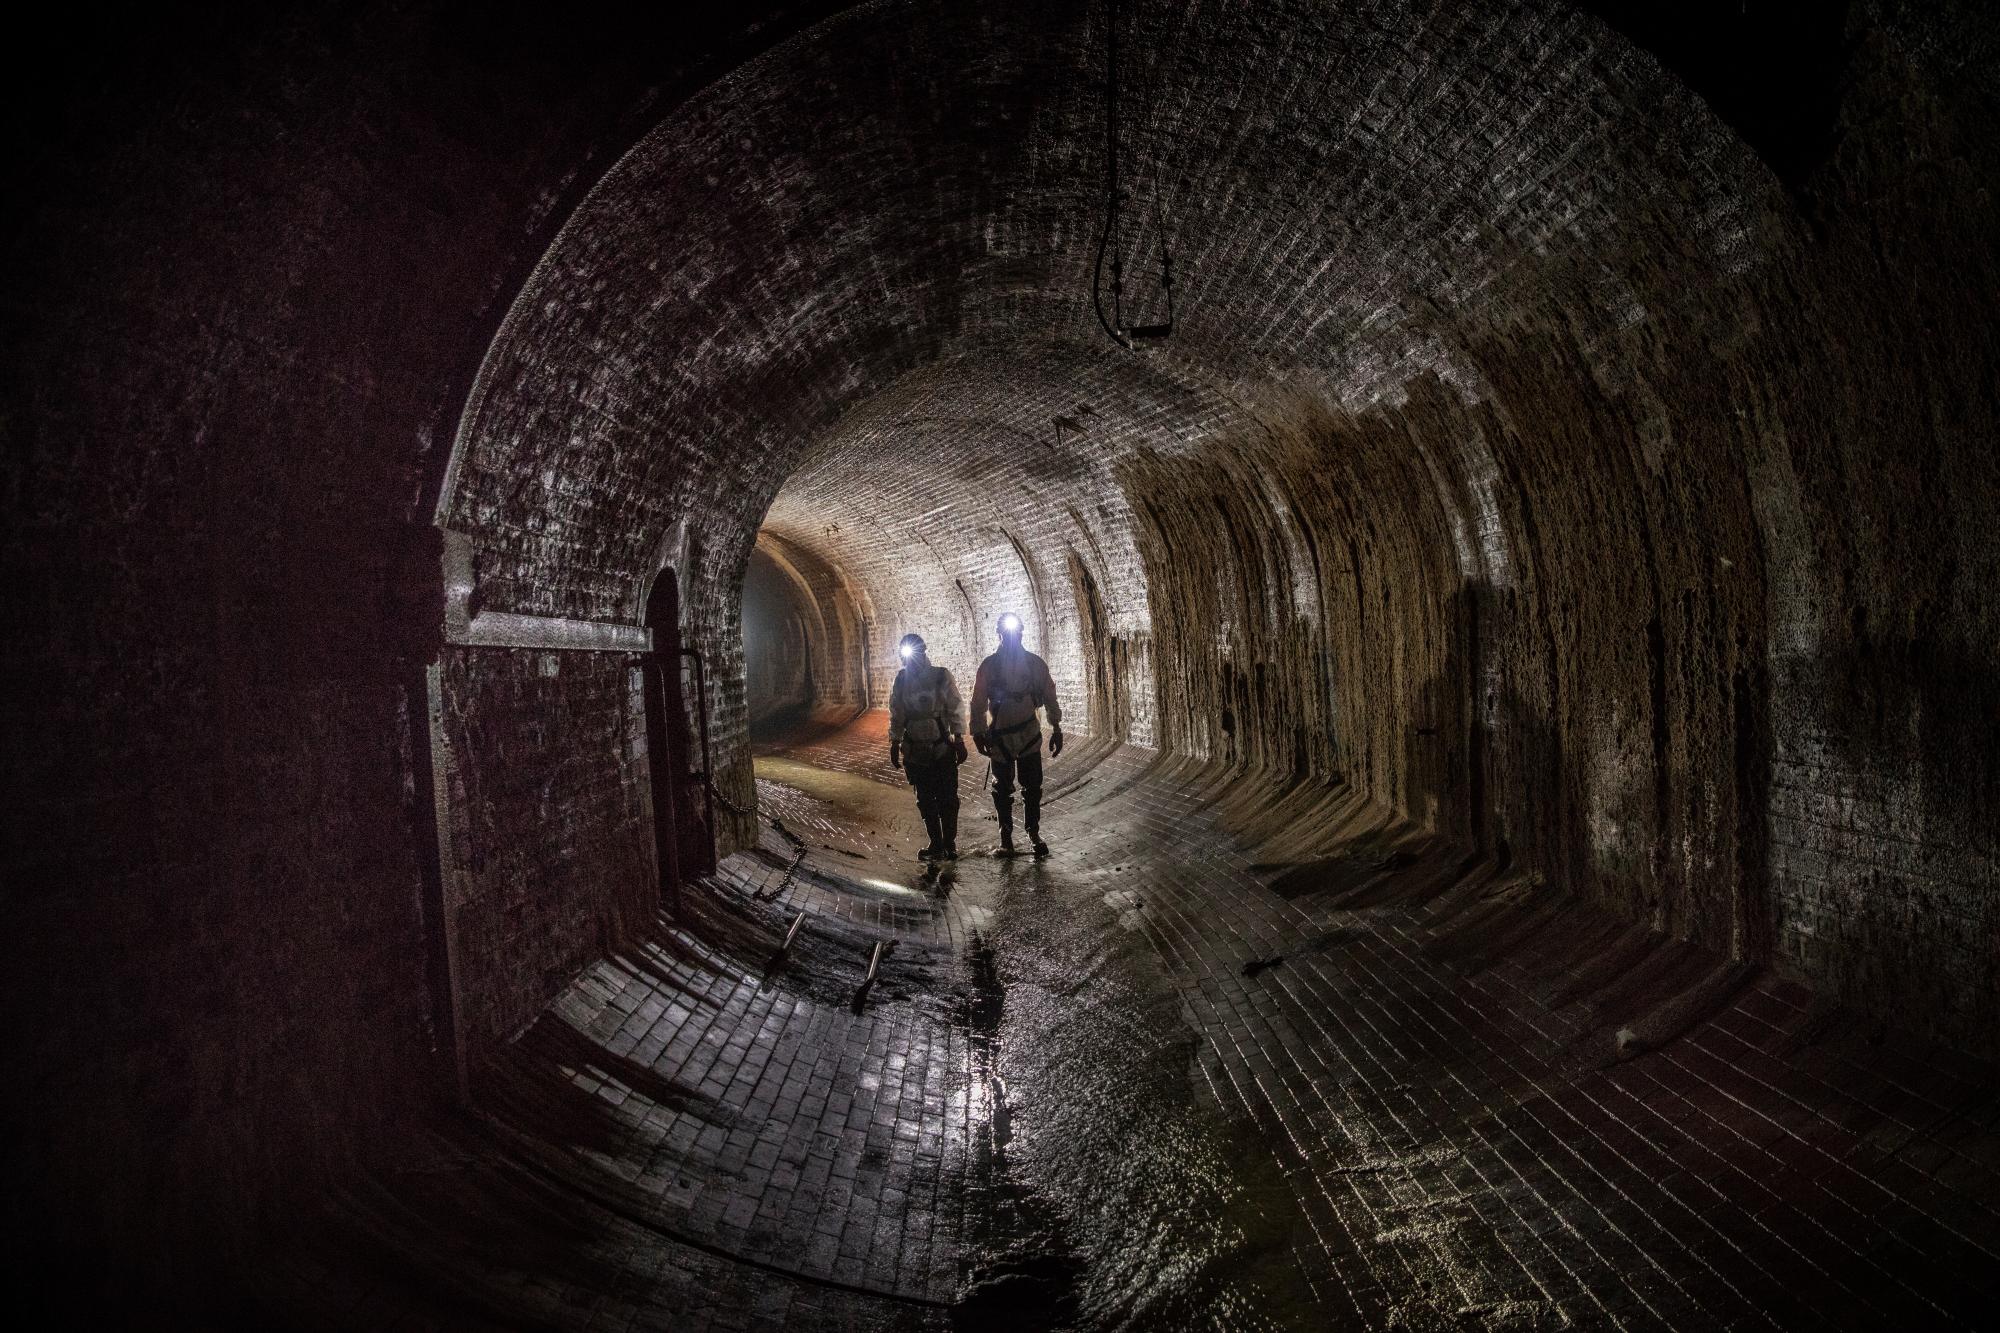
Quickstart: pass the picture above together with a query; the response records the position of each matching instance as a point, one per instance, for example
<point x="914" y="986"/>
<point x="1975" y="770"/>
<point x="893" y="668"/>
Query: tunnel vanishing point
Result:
<point x="1507" y="493"/>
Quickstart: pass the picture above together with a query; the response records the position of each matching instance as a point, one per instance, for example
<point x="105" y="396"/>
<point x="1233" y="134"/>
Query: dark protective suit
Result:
<point x="925" y="719"/>
<point x="1012" y="684"/>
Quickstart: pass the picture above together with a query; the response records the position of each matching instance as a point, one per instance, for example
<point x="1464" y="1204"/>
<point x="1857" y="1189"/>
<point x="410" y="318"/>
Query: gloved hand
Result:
<point x="958" y="749"/>
<point x="983" y="741"/>
<point x="1055" y="741"/>
<point x="895" y="754"/>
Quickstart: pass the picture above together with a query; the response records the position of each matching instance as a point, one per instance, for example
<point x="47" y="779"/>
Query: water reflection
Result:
<point x="1097" y="1166"/>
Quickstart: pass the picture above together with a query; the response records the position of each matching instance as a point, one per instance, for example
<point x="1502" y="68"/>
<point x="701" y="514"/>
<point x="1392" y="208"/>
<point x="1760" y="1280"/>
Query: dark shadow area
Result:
<point x="1774" y="69"/>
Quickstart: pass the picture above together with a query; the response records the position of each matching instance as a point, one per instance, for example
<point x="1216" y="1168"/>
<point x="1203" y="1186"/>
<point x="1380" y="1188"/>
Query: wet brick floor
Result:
<point x="1231" y="1058"/>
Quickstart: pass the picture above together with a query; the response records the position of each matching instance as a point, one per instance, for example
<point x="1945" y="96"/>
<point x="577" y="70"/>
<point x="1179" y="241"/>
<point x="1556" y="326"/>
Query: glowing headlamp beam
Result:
<point x="1011" y="624"/>
<point x="908" y="652"/>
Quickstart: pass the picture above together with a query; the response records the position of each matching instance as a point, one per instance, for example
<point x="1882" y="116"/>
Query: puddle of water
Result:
<point x="1020" y="1272"/>
<point x="1130" y="908"/>
<point x="1154" y="1209"/>
<point x="890" y="886"/>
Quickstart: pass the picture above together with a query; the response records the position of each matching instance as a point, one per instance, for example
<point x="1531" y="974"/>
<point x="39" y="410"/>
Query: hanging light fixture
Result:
<point x="1111" y="241"/>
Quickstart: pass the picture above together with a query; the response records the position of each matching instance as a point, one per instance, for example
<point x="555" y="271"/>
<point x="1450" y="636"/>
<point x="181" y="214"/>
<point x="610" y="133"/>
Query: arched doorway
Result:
<point x="683" y="837"/>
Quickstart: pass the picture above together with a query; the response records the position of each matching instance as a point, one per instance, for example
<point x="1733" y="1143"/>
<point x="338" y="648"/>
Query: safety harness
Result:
<point x="1009" y="738"/>
<point x="936" y="746"/>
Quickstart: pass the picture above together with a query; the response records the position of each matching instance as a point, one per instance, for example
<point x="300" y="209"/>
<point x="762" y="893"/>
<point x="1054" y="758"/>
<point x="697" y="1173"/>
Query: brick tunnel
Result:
<point x="1505" y="494"/>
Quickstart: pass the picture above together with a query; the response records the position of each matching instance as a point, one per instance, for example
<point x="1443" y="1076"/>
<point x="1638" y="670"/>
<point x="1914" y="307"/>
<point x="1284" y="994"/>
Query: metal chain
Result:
<point x="724" y="801"/>
<point x="763" y="896"/>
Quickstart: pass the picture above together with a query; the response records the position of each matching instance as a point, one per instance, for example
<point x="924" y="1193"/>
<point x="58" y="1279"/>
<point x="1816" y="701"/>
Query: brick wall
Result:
<point x="1874" y="486"/>
<point x="549" y="857"/>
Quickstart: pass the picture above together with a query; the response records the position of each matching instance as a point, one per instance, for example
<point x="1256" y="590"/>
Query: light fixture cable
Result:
<point x="1110" y="241"/>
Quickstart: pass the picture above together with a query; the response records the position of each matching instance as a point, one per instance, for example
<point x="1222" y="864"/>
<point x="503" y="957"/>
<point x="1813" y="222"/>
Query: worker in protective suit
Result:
<point x="1012" y="684"/>
<point x="927" y="741"/>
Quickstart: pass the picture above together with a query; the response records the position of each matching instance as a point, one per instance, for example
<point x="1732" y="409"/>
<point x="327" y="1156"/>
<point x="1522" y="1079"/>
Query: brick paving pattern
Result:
<point x="1487" y="1107"/>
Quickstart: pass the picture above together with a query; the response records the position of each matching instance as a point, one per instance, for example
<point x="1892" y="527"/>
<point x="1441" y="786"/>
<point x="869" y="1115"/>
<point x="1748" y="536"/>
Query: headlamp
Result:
<point x="1010" y="624"/>
<point x="907" y="652"/>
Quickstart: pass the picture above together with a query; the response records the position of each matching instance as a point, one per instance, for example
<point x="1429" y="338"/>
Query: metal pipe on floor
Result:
<point x="874" y="967"/>
<point x="778" y="954"/>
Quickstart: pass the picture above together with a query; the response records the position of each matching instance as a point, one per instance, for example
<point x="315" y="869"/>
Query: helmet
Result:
<point x="1010" y="625"/>
<point x="911" y="645"/>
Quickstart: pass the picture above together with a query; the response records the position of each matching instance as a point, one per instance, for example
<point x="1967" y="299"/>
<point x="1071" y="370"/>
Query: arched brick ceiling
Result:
<point x="868" y="253"/>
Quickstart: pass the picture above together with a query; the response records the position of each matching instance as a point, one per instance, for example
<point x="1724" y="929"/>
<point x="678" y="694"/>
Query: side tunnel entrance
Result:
<point x="806" y="637"/>
<point x="782" y="633"/>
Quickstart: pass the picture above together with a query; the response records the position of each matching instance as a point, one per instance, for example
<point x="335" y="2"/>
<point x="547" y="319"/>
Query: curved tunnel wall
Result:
<point x="1527" y="456"/>
<point x="1460" y="478"/>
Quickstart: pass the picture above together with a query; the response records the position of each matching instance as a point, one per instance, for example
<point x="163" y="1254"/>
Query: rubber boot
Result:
<point x="935" y="827"/>
<point x="1033" y="800"/>
<point x="1003" y="806"/>
<point x="949" y="818"/>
